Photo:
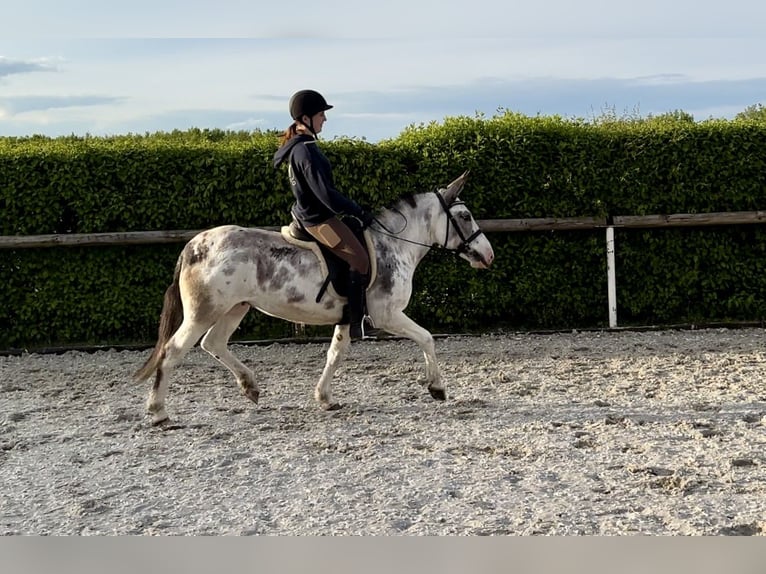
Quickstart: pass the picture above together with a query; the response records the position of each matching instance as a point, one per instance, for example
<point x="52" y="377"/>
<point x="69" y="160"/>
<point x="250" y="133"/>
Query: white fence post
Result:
<point x="611" y="279"/>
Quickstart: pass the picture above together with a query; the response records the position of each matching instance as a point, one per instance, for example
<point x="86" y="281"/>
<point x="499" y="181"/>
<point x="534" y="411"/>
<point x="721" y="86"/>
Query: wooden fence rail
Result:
<point x="688" y="219"/>
<point x="90" y="239"/>
<point x="488" y="225"/>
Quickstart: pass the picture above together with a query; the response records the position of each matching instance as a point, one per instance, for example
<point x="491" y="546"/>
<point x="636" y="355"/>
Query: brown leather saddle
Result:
<point x="334" y="269"/>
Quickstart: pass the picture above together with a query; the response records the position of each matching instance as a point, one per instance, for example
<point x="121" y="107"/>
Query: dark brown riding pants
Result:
<point x="337" y="236"/>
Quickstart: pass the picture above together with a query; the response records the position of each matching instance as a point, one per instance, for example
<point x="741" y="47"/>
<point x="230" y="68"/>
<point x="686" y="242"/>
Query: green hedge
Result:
<point x="521" y="167"/>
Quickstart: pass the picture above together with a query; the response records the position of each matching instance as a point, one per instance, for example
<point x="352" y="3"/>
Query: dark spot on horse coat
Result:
<point x="228" y="271"/>
<point x="239" y="238"/>
<point x="387" y="266"/>
<point x="243" y="257"/>
<point x="203" y="307"/>
<point x="427" y="216"/>
<point x="295" y="296"/>
<point x="288" y="254"/>
<point x="265" y="269"/>
<point x="409" y="200"/>
<point x="303" y="270"/>
<point x="279" y="278"/>
<point x="159" y="375"/>
<point x="195" y="252"/>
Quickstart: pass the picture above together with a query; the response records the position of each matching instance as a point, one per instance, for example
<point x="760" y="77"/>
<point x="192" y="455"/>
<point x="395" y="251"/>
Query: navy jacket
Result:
<point x="316" y="198"/>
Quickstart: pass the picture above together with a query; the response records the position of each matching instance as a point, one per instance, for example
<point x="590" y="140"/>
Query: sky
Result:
<point x="102" y="68"/>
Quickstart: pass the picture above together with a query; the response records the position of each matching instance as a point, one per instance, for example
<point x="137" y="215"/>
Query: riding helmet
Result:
<point x="308" y="103"/>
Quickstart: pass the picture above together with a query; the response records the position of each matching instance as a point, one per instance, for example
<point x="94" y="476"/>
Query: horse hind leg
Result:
<point x="172" y="353"/>
<point x="335" y="354"/>
<point x="215" y="342"/>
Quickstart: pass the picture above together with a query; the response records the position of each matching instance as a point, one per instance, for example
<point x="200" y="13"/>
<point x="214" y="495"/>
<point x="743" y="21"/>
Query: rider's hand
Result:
<point x="366" y="218"/>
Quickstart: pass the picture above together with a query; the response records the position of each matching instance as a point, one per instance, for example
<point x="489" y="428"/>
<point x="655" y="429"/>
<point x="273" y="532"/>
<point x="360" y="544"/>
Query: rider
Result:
<point x="318" y="204"/>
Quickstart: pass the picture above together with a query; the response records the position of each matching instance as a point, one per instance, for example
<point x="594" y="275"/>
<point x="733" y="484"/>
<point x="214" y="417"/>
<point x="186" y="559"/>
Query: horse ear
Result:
<point x="454" y="188"/>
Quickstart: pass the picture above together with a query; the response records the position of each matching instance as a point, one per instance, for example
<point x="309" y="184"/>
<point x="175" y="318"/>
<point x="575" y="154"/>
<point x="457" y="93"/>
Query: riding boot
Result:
<point x="356" y="292"/>
<point x="361" y="324"/>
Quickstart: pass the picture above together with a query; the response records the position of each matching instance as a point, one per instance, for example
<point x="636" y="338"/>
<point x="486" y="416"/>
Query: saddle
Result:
<point x="335" y="270"/>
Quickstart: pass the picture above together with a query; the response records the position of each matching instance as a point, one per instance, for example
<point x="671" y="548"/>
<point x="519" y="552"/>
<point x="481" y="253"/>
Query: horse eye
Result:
<point x="465" y="217"/>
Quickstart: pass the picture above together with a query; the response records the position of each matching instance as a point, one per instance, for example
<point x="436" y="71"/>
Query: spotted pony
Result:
<point x="223" y="272"/>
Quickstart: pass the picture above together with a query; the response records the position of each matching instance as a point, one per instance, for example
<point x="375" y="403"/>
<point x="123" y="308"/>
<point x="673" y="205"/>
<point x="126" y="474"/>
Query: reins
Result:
<point x="465" y="241"/>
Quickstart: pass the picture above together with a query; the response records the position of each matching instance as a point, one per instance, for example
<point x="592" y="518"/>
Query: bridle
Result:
<point x="464" y="241"/>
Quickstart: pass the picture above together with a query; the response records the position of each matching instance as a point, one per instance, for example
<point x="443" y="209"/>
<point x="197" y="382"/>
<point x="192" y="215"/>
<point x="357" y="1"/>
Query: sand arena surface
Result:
<point x="576" y="433"/>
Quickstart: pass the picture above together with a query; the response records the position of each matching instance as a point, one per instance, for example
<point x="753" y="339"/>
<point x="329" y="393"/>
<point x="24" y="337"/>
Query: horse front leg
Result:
<point x="401" y="324"/>
<point x="335" y="354"/>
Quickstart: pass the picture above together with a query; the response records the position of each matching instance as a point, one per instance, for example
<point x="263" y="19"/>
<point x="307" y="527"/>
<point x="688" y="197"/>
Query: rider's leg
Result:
<point x="338" y="237"/>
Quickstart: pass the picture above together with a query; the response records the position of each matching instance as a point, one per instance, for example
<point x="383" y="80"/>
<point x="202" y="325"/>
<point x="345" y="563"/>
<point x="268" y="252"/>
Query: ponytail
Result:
<point x="289" y="133"/>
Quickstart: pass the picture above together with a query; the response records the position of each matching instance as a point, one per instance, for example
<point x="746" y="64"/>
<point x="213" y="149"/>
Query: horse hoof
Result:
<point x="438" y="394"/>
<point x="252" y="394"/>
<point x="160" y="418"/>
<point x="332" y="406"/>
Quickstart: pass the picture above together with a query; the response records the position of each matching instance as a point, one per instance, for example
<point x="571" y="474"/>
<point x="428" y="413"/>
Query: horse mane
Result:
<point x="408" y="199"/>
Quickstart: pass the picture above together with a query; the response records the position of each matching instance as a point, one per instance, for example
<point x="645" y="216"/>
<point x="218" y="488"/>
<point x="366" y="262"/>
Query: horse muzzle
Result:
<point x="480" y="260"/>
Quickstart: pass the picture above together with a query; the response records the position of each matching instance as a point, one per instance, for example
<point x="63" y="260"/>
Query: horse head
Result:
<point x="463" y="235"/>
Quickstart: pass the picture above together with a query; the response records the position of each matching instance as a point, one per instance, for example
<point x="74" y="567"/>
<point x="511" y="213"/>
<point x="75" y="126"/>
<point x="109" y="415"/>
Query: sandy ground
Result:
<point x="611" y="433"/>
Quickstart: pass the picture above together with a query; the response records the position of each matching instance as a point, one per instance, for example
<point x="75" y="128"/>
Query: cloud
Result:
<point x="184" y="119"/>
<point x="245" y="125"/>
<point x="9" y="67"/>
<point x="555" y="96"/>
<point x="23" y="104"/>
<point x="382" y="114"/>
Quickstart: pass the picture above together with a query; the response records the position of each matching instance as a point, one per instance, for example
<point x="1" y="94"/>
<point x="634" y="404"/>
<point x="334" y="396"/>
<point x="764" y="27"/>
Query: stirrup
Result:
<point x="369" y="330"/>
<point x="364" y="330"/>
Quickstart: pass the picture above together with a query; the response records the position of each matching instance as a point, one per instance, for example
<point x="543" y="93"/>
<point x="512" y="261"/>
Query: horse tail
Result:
<point x="170" y="319"/>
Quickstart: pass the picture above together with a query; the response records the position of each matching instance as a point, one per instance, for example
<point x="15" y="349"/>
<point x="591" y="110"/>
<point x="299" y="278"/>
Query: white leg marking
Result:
<point x="175" y="350"/>
<point x="335" y="354"/>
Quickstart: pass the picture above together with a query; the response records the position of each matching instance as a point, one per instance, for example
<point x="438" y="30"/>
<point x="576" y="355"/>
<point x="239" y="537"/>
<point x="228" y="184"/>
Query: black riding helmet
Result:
<point x="307" y="103"/>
